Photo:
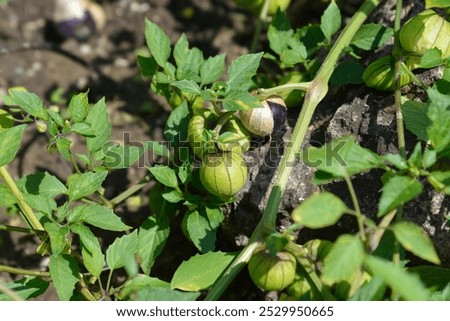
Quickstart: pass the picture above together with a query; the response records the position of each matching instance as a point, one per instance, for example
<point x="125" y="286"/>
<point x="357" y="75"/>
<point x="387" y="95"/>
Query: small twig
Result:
<point x="9" y="269"/>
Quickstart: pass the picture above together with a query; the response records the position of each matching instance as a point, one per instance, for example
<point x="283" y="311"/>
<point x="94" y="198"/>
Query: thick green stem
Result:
<point x="317" y="90"/>
<point x="27" y="211"/>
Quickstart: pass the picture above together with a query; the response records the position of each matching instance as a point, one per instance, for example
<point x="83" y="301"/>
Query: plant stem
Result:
<point x="222" y="121"/>
<point x="9" y="269"/>
<point x="108" y="283"/>
<point x="259" y="25"/>
<point x="317" y="90"/>
<point x="20" y="229"/>
<point x="359" y="216"/>
<point x="130" y="191"/>
<point x="397" y="53"/>
<point x="27" y="212"/>
<point x="382" y="226"/>
<point x="265" y="92"/>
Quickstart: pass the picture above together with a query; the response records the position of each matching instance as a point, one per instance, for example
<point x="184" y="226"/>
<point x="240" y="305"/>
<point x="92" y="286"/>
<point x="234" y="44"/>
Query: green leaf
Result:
<point x="78" y="107"/>
<point x="122" y="156"/>
<point x="177" y="124"/>
<point x="99" y="120"/>
<point x="165" y="175"/>
<point x="121" y="250"/>
<point x="397" y="191"/>
<point x="188" y="86"/>
<point x="6" y="120"/>
<point x="432" y="276"/>
<point x="397" y="160"/>
<point x="242" y="69"/>
<point x="345" y="259"/>
<point x="319" y="210"/>
<point x="174" y="196"/>
<point x="348" y="72"/>
<point x="85" y="184"/>
<point x="158" y="148"/>
<point x="153" y="235"/>
<point x="26" y="288"/>
<point x="202" y="235"/>
<point x="91" y="250"/>
<point x="147" y="65"/>
<point x="431" y="58"/>
<point x="7" y="199"/>
<point x="181" y="50"/>
<point x="279" y="33"/>
<point x="415" y="240"/>
<point x="371" y="36"/>
<point x="10" y="143"/>
<point x="440" y="181"/>
<point x="41" y="203"/>
<point x="439" y="114"/>
<point x="330" y="22"/>
<point x="58" y="237"/>
<point x="63" y="144"/>
<point x="165" y="294"/>
<point x="151" y="289"/>
<point x="64" y="273"/>
<point x="416" y="119"/>
<point x="429" y="157"/>
<point x="294" y="53"/>
<point x="201" y="271"/>
<point x="374" y="290"/>
<point x="437" y="4"/>
<point x="41" y="183"/>
<point x="240" y="100"/>
<point x="341" y="157"/>
<point x="158" y="42"/>
<point x="29" y="102"/>
<point x="83" y="129"/>
<point x="99" y="216"/>
<point x="407" y="285"/>
<point x="212" y="69"/>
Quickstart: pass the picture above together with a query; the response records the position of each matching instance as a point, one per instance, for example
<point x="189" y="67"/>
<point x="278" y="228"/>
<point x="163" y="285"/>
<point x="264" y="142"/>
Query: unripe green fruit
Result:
<point x="256" y="5"/>
<point x="235" y="138"/>
<point x="380" y="74"/>
<point x="425" y="31"/>
<point x="272" y="273"/>
<point x="223" y="174"/>
<point x="269" y="119"/>
<point x="197" y="123"/>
